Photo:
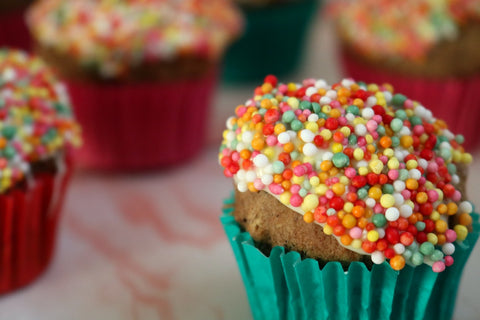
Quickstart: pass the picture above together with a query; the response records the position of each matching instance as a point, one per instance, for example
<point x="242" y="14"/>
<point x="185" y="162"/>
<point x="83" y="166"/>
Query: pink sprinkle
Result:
<point x="299" y="170"/>
<point x="309" y="167"/>
<point x="457" y="196"/>
<point x="375" y="135"/>
<point x="355" y="233"/>
<point x="323" y="200"/>
<point x="432" y="195"/>
<point x="306" y="98"/>
<point x="393" y="174"/>
<point x="296" y="200"/>
<point x="406" y="194"/>
<point x="377" y="118"/>
<point x="440" y="161"/>
<point x="272" y="140"/>
<point x="350" y="172"/>
<point x="402" y="165"/>
<point x="310" y="82"/>
<point x="241" y="111"/>
<point x="432" y="167"/>
<point x="275" y="188"/>
<point x="297" y="112"/>
<point x="258" y="184"/>
<point x="438" y="266"/>
<point x="227" y="173"/>
<point x="408" y="104"/>
<point x="295" y="188"/>
<point x="418" y="130"/>
<point x="378" y="208"/>
<point x="450" y="235"/>
<point x="285" y="108"/>
<point x="371" y="125"/>
<point x="448" y="261"/>
<point x="235" y="156"/>
<point x="329" y="194"/>
<point x="311" y="175"/>
<point x="361" y="142"/>
<point x="335" y="104"/>
<point x="307" y="112"/>
<point x="226" y="152"/>
<point x="342" y="121"/>
<point x="345" y="141"/>
<point x="283" y="88"/>
<point x="422" y="180"/>
<point x="384" y="159"/>
<point x="255" y="153"/>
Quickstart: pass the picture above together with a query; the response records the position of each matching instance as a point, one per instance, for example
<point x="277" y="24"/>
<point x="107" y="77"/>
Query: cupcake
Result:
<point x="349" y="203"/>
<point x="13" y="29"/>
<point x="38" y="133"/>
<point x="140" y="73"/>
<point x="428" y="50"/>
<point x="274" y="39"/>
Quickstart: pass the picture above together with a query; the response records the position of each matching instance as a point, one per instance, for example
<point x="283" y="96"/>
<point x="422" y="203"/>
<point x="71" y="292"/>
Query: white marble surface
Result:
<point x="150" y="246"/>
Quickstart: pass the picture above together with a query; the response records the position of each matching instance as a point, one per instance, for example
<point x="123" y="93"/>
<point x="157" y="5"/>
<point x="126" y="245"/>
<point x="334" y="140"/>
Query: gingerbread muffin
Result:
<point x="37" y="136"/>
<point x="351" y="183"/>
<point x="428" y="50"/>
<point x="140" y="73"/>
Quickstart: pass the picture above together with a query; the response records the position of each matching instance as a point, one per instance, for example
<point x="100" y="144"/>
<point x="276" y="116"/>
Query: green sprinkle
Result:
<point x="459" y="138"/>
<point x="396" y="125"/>
<point x="294" y="155"/>
<point x="278" y="166"/>
<point x="398" y="100"/>
<point x="427" y="248"/>
<point x="437" y="255"/>
<point x="9" y="152"/>
<point x="302" y="192"/>
<point x="420" y="225"/>
<point x="352" y="139"/>
<point x="288" y="116"/>
<point x="452" y="169"/>
<point x="9" y="132"/>
<point x="414" y="120"/>
<point x="316" y="107"/>
<point x="379" y="220"/>
<point x="395" y="141"/>
<point x="353" y="110"/>
<point x="305" y="105"/>
<point x="340" y="160"/>
<point x="388" y="188"/>
<point x="362" y="193"/>
<point x="417" y="258"/>
<point x="403" y="174"/>
<point x="401" y="114"/>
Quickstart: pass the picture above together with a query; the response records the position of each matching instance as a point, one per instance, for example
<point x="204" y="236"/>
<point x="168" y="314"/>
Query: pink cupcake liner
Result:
<point x="28" y="227"/>
<point x="454" y="99"/>
<point x="141" y="126"/>
<point x="14" y="31"/>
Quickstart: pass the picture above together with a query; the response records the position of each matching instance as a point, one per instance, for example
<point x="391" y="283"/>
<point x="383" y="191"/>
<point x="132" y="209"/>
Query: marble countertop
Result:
<point x="150" y="246"/>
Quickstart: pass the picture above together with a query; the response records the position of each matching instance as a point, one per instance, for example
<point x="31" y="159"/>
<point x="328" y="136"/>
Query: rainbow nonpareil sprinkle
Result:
<point x="112" y="36"/>
<point x="375" y="169"/>
<point x="36" y="121"/>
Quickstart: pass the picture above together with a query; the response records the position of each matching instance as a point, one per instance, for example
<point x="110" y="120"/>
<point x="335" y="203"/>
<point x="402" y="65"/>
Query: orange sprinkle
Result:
<point x="258" y="144"/>
<point x="346" y="239"/>
<point x="288" y="147"/>
<point x="358" y="211"/>
<point x="452" y="208"/>
<point x="277" y="178"/>
<point x="465" y="219"/>
<point x="308" y="217"/>
<point x="385" y="142"/>
<point x="411" y="184"/>
<point x="326" y="165"/>
<point x="245" y="154"/>
<point x="397" y="262"/>
<point x="349" y="221"/>
<point x="442" y="208"/>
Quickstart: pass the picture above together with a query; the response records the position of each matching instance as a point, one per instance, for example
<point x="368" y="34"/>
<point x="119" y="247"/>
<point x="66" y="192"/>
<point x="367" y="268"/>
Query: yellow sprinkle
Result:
<point x="314" y="181"/>
<point x="326" y="109"/>
<point x="344" y="180"/>
<point x="387" y="201"/>
<point x="358" y="154"/>
<point x="467" y="158"/>
<point x="432" y="238"/>
<point x="328" y="230"/>
<point x="372" y="235"/>
<point x="412" y="164"/>
<point x="285" y="197"/>
<point x="393" y="163"/>
<point x="369" y="138"/>
<point x="310" y="202"/>
<point x="376" y="166"/>
<point x="312" y="126"/>
<point x="321" y="189"/>
<point x="435" y="215"/>
<point x="388" y="152"/>
<point x="293" y="102"/>
<point x="269" y="152"/>
<point x="298" y="180"/>
<point x="337" y="147"/>
<point x="346" y="131"/>
<point x="461" y="231"/>
<point x="363" y="171"/>
<point x="347" y="207"/>
<point x="356" y="243"/>
<point x="326" y="134"/>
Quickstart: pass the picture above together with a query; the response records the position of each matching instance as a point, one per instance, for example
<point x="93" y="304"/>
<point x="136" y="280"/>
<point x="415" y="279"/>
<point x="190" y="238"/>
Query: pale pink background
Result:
<point x="150" y="246"/>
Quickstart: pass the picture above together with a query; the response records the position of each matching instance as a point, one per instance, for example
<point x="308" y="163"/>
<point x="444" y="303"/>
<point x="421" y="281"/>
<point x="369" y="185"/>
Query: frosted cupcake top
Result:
<point x="36" y="120"/>
<point x="402" y="28"/>
<point x="375" y="169"/>
<point x="114" y="35"/>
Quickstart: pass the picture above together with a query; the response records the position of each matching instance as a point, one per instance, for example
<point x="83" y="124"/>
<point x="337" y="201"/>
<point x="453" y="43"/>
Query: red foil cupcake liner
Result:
<point x="28" y="227"/>
<point x="14" y="31"/>
<point x="141" y="126"/>
<point x="454" y="99"/>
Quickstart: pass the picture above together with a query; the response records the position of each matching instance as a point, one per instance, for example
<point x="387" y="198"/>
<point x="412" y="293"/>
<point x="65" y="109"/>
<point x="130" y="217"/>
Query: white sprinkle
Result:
<point x="377" y="257"/>
<point x="267" y="179"/>
<point x="399" y="248"/>
<point x="405" y="210"/>
<point x="448" y="249"/>
<point x="283" y="137"/>
<point x="310" y="91"/>
<point x="360" y="129"/>
<point x="392" y="214"/>
<point x="250" y="176"/>
<point x="242" y="186"/>
<point x="313" y="117"/>
<point x="466" y="207"/>
<point x="399" y="185"/>
<point x="260" y="160"/>
<point x="309" y="149"/>
<point x="307" y="135"/>
<point x="414" y="174"/>
<point x="368" y="113"/>
<point x="370" y="202"/>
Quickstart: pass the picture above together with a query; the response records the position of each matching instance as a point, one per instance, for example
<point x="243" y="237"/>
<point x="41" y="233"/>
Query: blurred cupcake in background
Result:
<point x="140" y="73"/>
<point x="13" y="28"/>
<point x="429" y="50"/>
<point x="274" y="39"/>
<point x="37" y="135"/>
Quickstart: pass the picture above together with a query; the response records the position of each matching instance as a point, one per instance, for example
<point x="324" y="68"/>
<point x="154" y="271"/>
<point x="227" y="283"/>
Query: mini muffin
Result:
<point x="274" y="39"/>
<point x="428" y="50"/>
<point x="349" y="193"/>
<point x="38" y="133"/>
<point x="140" y="73"/>
<point x="13" y="28"/>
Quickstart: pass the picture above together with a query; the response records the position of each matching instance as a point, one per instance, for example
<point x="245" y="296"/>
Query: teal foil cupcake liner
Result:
<point x="273" y="41"/>
<point x="283" y="286"/>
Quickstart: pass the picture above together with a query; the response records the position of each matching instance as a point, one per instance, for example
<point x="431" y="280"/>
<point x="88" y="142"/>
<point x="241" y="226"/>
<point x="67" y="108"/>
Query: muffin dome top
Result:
<point x="36" y="120"/>
<point x="402" y="28"/>
<point x="114" y="35"/>
<point x="372" y="167"/>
